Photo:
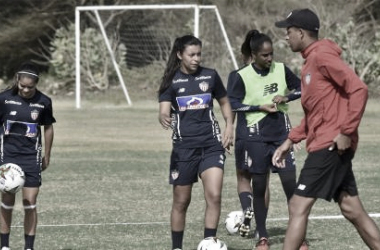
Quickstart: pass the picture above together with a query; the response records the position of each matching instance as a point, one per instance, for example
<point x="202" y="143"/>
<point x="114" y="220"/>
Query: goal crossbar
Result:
<point x="95" y="9"/>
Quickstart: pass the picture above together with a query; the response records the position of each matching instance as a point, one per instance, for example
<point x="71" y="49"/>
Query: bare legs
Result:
<point x="352" y="210"/>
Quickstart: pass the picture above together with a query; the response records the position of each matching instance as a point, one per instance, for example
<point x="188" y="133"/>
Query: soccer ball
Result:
<point x="12" y="178"/>
<point x="233" y="220"/>
<point x="212" y="243"/>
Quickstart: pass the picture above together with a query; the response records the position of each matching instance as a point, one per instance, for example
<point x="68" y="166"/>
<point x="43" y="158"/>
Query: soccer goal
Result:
<point x="127" y="46"/>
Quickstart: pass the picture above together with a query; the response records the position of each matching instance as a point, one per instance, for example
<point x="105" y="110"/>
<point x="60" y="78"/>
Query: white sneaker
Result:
<point x="5" y="248"/>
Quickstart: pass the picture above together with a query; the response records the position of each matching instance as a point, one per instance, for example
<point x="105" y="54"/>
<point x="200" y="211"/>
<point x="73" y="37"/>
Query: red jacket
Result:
<point x="333" y="97"/>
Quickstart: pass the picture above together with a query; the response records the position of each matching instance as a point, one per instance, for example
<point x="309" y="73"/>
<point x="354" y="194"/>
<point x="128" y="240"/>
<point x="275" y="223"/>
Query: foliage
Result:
<point x="96" y="66"/>
<point x="30" y="28"/>
<point x="360" y="49"/>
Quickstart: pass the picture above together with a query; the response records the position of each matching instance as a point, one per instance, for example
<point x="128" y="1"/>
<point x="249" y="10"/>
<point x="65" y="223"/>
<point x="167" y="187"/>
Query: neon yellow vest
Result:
<point x="260" y="90"/>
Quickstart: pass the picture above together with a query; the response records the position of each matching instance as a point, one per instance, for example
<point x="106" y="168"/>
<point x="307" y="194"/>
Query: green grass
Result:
<point x="107" y="186"/>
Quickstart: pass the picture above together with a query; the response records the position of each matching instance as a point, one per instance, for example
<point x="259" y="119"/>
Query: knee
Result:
<point x="181" y="204"/>
<point x="349" y="213"/>
<point x="214" y="199"/>
<point x="28" y="205"/>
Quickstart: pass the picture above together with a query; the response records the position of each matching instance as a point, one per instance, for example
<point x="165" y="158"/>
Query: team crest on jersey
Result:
<point x="34" y="114"/>
<point x="308" y="78"/>
<point x="204" y="86"/>
<point x="175" y="174"/>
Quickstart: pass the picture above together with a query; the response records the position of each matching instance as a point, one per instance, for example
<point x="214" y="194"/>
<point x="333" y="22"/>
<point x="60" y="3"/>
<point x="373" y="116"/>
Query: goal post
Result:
<point x="124" y="43"/>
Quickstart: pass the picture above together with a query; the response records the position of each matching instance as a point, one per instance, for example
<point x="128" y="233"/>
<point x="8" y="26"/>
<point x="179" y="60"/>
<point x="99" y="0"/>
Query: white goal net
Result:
<point x="126" y="47"/>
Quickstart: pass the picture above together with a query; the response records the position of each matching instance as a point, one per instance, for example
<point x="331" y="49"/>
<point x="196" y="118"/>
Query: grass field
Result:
<point x="107" y="186"/>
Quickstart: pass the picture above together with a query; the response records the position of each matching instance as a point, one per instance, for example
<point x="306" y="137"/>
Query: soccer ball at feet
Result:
<point x="212" y="243"/>
<point x="12" y="178"/>
<point x="233" y="221"/>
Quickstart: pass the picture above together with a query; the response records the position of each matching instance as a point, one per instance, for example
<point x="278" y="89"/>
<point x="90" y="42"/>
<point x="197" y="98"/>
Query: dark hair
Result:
<point x="174" y="62"/>
<point x="257" y="41"/>
<point x="246" y="47"/>
<point x="27" y="69"/>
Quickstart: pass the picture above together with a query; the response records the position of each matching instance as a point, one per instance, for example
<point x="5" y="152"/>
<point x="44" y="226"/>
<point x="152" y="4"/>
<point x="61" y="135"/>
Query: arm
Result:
<point x="352" y="87"/>
<point x="164" y="114"/>
<point x="294" y="84"/>
<point x="228" y="135"/>
<point x="49" y="136"/>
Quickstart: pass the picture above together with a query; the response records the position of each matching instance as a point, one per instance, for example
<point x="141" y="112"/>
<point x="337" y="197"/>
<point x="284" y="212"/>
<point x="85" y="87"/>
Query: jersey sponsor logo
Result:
<point x="201" y="101"/>
<point x="180" y="80"/>
<point x="21" y="128"/>
<point x="202" y="78"/>
<point x="204" y="86"/>
<point x="270" y="89"/>
<point x="36" y="105"/>
<point x="14" y="112"/>
<point x="12" y="102"/>
<point x="34" y="114"/>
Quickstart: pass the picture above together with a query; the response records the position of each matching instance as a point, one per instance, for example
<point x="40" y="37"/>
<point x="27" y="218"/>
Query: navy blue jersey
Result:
<point x="21" y="120"/>
<point x="191" y="95"/>
<point x="275" y="126"/>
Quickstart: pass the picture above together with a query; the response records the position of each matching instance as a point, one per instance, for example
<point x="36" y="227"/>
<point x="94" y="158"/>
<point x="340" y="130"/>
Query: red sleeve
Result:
<point x="298" y="133"/>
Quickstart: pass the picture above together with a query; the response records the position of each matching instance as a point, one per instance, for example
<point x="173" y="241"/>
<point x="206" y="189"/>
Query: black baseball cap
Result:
<point x="301" y="18"/>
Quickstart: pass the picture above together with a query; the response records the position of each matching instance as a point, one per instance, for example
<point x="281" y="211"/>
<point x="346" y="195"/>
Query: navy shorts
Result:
<point x="258" y="158"/>
<point x="240" y="154"/>
<point x="31" y="168"/>
<point x="326" y="174"/>
<point x="186" y="164"/>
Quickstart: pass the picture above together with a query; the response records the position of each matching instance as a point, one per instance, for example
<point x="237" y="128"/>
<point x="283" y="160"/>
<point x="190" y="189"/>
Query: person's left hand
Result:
<point x="45" y="163"/>
<point x="228" y="138"/>
<point x="341" y="142"/>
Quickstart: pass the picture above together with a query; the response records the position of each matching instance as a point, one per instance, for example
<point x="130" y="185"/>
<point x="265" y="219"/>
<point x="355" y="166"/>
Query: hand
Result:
<point x="269" y="108"/>
<point x="228" y="138"/>
<point x="280" y="99"/>
<point x="165" y="121"/>
<point x="341" y="142"/>
<point x="279" y="155"/>
<point x="45" y="163"/>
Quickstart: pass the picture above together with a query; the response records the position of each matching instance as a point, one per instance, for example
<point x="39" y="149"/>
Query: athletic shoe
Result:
<point x="262" y="244"/>
<point x="245" y="225"/>
<point x="304" y="245"/>
<point x="5" y="248"/>
<point x="177" y="249"/>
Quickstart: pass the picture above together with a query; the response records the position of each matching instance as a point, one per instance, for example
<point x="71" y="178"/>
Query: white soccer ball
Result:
<point x="212" y="243"/>
<point x="233" y="220"/>
<point x="12" y="178"/>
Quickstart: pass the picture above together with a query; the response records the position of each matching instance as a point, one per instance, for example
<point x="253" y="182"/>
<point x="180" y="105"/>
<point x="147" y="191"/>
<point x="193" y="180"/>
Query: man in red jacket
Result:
<point x="333" y="98"/>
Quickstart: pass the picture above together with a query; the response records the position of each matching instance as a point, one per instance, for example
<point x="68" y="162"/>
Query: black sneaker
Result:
<point x="244" y="227"/>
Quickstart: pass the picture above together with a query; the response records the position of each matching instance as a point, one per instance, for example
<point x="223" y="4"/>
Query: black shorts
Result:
<point x="31" y="168"/>
<point x="326" y="174"/>
<point x="188" y="163"/>
<point x="240" y="154"/>
<point x="258" y="158"/>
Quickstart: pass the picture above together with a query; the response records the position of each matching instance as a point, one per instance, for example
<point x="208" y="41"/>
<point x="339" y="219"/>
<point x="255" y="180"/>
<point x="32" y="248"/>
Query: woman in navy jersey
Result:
<point x="23" y="110"/>
<point x="186" y="98"/>
<point x="260" y="91"/>
<point x="244" y="187"/>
